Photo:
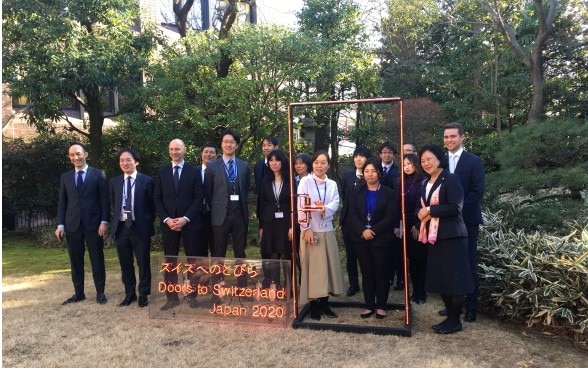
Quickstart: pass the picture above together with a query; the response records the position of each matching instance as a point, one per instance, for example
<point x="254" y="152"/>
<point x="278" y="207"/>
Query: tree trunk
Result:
<point x="96" y="118"/>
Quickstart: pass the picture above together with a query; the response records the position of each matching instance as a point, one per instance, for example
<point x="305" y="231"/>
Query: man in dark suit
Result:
<point x="387" y="152"/>
<point x="226" y="186"/>
<point x="178" y="200"/>
<point x="83" y="212"/>
<point x="132" y="225"/>
<point x="470" y="170"/>
<point x="207" y="155"/>
<point x="351" y="182"/>
<point x="260" y="170"/>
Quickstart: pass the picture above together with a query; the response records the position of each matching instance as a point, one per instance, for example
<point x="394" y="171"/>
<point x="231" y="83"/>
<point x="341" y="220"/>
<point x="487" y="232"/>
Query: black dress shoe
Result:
<point x="315" y="310"/>
<point x="367" y="314"/>
<point x="353" y="289"/>
<point x="101" y="298"/>
<point x="193" y="302"/>
<point x="327" y="311"/>
<point x="449" y="329"/>
<point x="442" y="312"/>
<point x="170" y="304"/>
<point x="128" y="300"/>
<point x="470" y="315"/>
<point x="74" y="299"/>
<point x="143" y="301"/>
<point x="439" y="325"/>
<point x="381" y="315"/>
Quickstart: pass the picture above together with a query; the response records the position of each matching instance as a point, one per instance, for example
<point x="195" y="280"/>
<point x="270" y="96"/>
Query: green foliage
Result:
<point x="535" y="277"/>
<point x="543" y="173"/>
<point x="150" y="138"/>
<point x="55" y="53"/>
<point x="31" y="172"/>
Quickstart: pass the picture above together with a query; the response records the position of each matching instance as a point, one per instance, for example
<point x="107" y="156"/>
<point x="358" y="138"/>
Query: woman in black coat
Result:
<point x="372" y="213"/>
<point x="443" y="229"/>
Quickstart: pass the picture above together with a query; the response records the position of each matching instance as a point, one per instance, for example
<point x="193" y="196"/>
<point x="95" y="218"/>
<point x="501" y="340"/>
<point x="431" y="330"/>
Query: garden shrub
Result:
<point x="536" y="277"/>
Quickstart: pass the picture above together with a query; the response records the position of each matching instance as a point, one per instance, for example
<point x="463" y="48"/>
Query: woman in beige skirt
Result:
<point x="319" y="253"/>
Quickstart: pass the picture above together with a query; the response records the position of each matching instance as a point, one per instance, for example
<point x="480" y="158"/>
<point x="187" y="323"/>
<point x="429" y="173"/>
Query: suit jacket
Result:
<point x="451" y="224"/>
<point x="88" y="208"/>
<point x="391" y="178"/>
<point x="259" y="171"/>
<point x="349" y="187"/>
<point x="267" y="200"/>
<point x="187" y="201"/>
<point x="205" y="208"/>
<point x="143" y="205"/>
<point x="385" y="212"/>
<point x="216" y="189"/>
<point x="470" y="171"/>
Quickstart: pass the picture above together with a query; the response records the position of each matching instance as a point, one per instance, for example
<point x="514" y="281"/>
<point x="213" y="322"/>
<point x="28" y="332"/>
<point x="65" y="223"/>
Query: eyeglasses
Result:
<point x="387" y="153"/>
<point x="229" y="142"/>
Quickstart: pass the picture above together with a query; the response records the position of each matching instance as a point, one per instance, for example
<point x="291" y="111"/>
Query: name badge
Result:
<point x="124" y="216"/>
<point x="234" y="197"/>
<point x="279" y="214"/>
<point x="323" y="225"/>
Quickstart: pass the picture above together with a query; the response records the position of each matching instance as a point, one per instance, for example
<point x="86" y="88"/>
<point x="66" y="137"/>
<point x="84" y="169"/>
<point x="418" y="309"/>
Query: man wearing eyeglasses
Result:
<point x="226" y="186"/>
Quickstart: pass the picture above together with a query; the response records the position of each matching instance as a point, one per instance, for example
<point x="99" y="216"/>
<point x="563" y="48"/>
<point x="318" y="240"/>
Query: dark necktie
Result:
<point x="176" y="177"/>
<point x="385" y="170"/>
<point x="129" y="204"/>
<point x="80" y="181"/>
<point x="231" y="171"/>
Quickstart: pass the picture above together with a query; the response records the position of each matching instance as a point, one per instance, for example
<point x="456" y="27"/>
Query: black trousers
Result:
<point x="397" y="262"/>
<point x="128" y="244"/>
<point x="375" y="273"/>
<point x="236" y="226"/>
<point x="171" y="247"/>
<point x="76" y="250"/>
<point x="471" y="300"/>
<point x="351" y="257"/>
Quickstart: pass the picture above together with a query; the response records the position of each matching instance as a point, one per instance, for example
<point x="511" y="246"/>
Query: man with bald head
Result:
<point x="178" y="198"/>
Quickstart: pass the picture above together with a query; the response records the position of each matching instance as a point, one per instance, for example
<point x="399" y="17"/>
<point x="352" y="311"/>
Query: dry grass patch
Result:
<point x="39" y="332"/>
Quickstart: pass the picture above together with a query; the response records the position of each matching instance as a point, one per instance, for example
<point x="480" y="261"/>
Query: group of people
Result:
<point x="202" y="206"/>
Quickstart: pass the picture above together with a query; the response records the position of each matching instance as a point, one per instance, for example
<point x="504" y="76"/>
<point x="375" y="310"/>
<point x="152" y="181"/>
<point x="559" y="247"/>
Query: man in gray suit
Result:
<point x="226" y="187"/>
<point x="83" y="212"/>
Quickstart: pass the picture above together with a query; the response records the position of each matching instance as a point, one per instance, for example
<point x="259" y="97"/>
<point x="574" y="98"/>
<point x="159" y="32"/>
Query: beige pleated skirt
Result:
<point x="321" y="268"/>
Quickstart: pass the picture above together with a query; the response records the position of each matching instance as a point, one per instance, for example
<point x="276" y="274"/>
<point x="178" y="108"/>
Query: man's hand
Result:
<point x="102" y="229"/>
<point x="59" y="233"/>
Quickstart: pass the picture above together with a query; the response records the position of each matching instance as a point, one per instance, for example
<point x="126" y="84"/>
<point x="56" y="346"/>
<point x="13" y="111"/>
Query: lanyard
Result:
<point x="277" y="192"/>
<point x="370" y="201"/>
<point x="125" y="188"/>
<point x="319" y="192"/>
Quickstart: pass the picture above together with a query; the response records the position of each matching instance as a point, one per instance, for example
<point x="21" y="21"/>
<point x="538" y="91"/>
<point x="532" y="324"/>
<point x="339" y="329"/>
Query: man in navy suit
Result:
<point x="207" y="155"/>
<point x="132" y="225"/>
<point x="83" y="212"/>
<point x="470" y="170"/>
<point x="178" y="200"/>
<point x="387" y="152"/>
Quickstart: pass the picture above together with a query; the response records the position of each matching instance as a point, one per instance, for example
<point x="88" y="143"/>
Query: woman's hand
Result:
<point x="424" y="214"/>
<point x="415" y="233"/>
<point x="308" y="236"/>
<point x="290" y="234"/>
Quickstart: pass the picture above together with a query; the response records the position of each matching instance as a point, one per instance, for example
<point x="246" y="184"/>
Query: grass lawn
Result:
<point x="21" y="256"/>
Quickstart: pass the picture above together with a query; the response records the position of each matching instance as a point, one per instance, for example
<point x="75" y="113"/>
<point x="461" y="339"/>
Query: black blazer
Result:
<point x="391" y="178"/>
<point x="470" y="171"/>
<point x="448" y="210"/>
<point x="205" y="208"/>
<point x="350" y="185"/>
<point x="382" y="222"/>
<point x="267" y="200"/>
<point x="88" y="208"/>
<point x="216" y="189"/>
<point x="143" y="205"/>
<point x="186" y="202"/>
<point x="260" y="170"/>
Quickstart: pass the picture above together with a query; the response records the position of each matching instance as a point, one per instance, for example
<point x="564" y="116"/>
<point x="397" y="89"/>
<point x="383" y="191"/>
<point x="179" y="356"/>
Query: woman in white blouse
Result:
<point x="319" y="253"/>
